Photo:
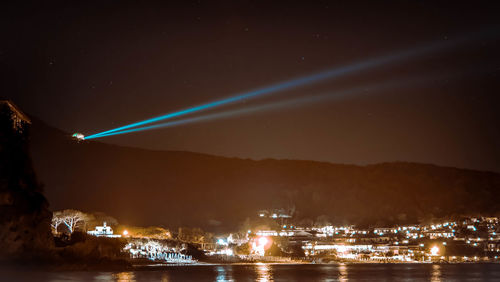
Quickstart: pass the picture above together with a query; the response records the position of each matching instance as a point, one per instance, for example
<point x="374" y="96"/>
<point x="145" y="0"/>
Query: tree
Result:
<point x="243" y="249"/>
<point x="194" y="251"/>
<point x="71" y="219"/>
<point x="274" y="250"/>
<point x="322" y="220"/>
<point x="193" y="235"/>
<point x="306" y="222"/>
<point x="297" y="251"/>
<point x="56" y="221"/>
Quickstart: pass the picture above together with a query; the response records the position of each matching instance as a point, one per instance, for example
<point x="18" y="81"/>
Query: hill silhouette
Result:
<point x="171" y="188"/>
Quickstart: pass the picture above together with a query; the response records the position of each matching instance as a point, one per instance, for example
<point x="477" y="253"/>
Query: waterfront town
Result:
<point x="276" y="238"/>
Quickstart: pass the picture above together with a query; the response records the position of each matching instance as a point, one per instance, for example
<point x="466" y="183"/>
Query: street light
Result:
<point x="434" y="251"/>
<point x="263" y="241"/>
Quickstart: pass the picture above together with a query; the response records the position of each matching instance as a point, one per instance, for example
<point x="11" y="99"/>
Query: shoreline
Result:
<point x="155" y="266"/>
<point x="298" y="263"/>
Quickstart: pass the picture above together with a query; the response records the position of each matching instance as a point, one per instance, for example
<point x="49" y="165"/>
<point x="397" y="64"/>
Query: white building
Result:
<point x="104" y="231"/>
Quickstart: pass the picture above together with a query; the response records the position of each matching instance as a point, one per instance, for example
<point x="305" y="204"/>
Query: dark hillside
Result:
<point x="182" y="188"/>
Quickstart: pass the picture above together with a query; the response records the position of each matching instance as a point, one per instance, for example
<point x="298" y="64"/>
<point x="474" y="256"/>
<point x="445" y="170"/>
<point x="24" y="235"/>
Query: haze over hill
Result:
<point x="143" y="187"/>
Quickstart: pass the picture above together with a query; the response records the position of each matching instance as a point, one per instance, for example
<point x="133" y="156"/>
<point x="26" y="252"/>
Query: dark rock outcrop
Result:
<point x="24" y="214"/>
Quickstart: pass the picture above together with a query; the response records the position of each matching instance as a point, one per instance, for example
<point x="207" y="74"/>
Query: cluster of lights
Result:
<point x="434" y="251"/>
<point x="260" y="245"/>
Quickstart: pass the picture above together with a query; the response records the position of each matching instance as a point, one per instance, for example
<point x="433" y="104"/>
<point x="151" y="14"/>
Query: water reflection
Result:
<point x="270" y="272"/>
<point x="101" y="276"/>
<point x="436" y="273"/>
<point x="224" y="274"/>
<point x="342" y="272"/>
<point x="329" y="273"/>
<point x="264" y="272"/>
<point x="124" y="277"/>
<point x="164" y="277"/>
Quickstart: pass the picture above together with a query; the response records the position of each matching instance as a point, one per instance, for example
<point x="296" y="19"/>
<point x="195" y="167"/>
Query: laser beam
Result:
<point x="301" y="81"/>
<point x="336" y="72"/>
<point x="288" y="103"/>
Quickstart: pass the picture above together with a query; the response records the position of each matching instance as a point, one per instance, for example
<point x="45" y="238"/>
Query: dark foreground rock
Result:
<point x="24" y="215"/>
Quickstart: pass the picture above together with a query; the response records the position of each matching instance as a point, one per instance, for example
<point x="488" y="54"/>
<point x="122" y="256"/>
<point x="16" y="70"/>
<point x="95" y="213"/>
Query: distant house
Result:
<point x="103" y="231"/>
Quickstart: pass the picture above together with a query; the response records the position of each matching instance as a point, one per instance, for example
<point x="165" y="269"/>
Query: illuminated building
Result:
<point x="103" y="231"/>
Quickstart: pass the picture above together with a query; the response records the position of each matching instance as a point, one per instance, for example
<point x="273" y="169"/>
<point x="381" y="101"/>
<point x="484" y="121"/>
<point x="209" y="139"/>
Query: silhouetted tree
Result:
<point x="243" y="249"/>
<point x="274" y="250"/>
<point x="70" y="218"/>
<point x="194" y="251"/>
<point x="297" y="251"/>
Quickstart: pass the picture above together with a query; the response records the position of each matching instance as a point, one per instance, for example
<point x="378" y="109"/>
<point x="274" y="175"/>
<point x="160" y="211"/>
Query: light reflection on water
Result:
<point x="224" y="273"/>
<point x="264" y="273"/>
<point x="124" y="277"/>
<point x="436" y="273"/>
<point x="342" y="272"/>
<point x="271" y="272"/>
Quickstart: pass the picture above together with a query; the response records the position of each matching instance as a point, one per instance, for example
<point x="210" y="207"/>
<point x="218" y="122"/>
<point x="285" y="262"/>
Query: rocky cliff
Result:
<point x="24" y="215"/>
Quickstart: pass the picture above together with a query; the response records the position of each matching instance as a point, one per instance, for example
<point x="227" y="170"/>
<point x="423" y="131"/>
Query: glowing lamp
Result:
<point x="125" y="233"/>
<point x="263" y="241"/>
<point x="78" y="136"/>
<point x="260" y="245"/>
<point x="434" y="251"/>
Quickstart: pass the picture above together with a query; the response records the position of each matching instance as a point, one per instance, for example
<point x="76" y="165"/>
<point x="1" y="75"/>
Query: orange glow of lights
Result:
<point x="263" y="241"/>
<point x="434" y="251"/>
<point x="261" y="244"/>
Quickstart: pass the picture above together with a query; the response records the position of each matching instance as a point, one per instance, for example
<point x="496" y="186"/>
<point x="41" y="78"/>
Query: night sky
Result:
<point x="90" y="66"/>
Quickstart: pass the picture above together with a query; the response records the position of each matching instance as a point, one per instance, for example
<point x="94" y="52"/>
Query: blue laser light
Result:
<point x="332" y="73"/>
<point x="286" y="104"/>
<point x="302" y="81"/>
